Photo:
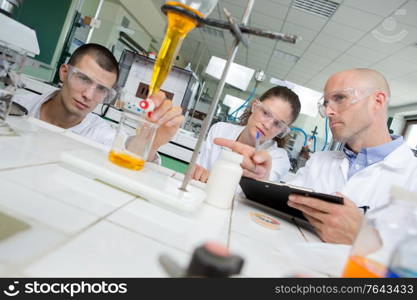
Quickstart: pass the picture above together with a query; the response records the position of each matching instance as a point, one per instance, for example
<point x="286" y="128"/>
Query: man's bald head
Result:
<point x="360" y="78"/>
<point x="359" y="122"/>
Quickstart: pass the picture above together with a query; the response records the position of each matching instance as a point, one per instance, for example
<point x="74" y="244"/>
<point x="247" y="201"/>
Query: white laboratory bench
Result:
<point x="80" y="227"/>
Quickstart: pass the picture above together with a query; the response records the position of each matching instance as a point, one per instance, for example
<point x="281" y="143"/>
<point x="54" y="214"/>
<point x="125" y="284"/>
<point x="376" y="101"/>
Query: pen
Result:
<point x="365" y="208"/>
<point x="258" y="137"/>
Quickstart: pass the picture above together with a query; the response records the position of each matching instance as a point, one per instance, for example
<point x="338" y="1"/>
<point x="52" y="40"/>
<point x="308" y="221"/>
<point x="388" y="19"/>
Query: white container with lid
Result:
<point x="224" y="179"/>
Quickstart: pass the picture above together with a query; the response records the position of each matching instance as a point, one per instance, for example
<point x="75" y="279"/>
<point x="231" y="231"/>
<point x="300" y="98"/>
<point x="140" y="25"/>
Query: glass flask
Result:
<point x="383" y="230"/>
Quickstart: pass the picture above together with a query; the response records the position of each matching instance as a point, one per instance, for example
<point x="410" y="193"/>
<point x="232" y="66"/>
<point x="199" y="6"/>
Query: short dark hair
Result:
<point x="284" y="94"/>
<point x="102" y="56"/>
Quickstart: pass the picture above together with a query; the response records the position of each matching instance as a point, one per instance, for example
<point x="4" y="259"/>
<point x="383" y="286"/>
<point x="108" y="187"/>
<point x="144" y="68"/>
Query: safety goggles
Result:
<point x="339" y="101"/>
<point x="81" y="82"/>
<point x="263" y="114"/>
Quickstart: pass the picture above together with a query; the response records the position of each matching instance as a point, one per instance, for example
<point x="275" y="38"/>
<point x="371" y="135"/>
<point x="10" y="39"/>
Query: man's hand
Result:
<point x="334" y="223"/>
<point x="256" y="164"/>
<point x="200" y="174"/>
<point x="169" y="119"/>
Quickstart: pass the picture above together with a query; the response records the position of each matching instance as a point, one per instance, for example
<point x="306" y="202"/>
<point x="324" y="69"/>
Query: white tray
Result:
<point x="157" y="186"/>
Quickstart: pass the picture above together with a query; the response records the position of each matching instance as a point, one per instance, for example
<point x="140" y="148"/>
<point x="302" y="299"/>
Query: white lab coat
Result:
<point x="92" y="126"/>
<point x="210" y="151"/>
<point x="326" y="172"/>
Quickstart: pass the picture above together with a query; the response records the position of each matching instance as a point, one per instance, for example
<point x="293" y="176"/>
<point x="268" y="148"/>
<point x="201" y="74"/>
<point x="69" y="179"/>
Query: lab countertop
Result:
<point x="81" y="227"/>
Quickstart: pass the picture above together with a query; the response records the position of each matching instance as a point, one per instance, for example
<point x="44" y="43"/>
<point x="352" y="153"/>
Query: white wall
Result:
<point x="398" y="114"/>
<point x="111" y="16"/>
<point x="148" y="17"/>
<point x="46" y="73"/>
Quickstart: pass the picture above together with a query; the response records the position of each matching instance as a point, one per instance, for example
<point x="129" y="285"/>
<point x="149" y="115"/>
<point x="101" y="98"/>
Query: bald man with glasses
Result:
<point x="371" y="162"/>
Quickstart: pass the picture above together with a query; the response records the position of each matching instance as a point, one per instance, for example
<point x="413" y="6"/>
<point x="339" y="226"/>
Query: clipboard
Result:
<point x="275" y="195"/>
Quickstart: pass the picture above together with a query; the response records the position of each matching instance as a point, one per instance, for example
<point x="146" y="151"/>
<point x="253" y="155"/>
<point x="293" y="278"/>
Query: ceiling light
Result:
<point x="286" y="56"/>
<point x="324" y="8"/>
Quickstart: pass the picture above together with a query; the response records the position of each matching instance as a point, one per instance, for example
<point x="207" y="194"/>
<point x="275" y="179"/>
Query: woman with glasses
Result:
<point x="265" y="125"/>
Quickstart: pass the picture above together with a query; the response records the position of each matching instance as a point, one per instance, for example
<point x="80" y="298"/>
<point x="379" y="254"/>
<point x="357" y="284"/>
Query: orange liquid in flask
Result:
<point x="178" y="27"/>
<point x="361" y="267"/>
<point x="126" y="160"/>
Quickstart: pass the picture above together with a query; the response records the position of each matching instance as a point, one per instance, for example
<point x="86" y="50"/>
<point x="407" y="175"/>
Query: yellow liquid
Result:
<point x="178" y="27"/>
<point x="126" y="161"/>
<point x="360" y="267"/>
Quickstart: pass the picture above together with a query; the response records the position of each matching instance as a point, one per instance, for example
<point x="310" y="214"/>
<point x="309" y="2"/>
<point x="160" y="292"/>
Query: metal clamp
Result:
<point x="234" y="28"/>
<point x="231" y="24"/>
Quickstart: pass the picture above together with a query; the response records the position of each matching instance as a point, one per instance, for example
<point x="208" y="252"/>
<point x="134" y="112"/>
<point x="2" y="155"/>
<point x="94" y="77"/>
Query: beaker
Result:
<point x="133" y="141"/>
<point x="382" y="230"/>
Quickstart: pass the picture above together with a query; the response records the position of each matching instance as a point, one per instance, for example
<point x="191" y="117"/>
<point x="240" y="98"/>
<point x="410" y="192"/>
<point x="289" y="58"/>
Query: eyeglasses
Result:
<point x="340" y="101"/>
<point x="264" y="114"/>
<point x="82" y="82"/>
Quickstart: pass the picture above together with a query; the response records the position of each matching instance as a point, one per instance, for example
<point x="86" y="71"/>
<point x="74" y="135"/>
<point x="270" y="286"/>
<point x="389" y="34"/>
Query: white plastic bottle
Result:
<point x="224" y="179"/>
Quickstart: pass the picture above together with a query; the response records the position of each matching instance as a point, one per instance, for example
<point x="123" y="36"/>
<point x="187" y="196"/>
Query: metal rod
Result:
<point x="228" y="26"/>
<point x="198" y="99"/>
<point x="90" y="33"/>
<point x="195" y="54"/>
<point x="199" y="60"/>
<point x="216" y="98"/>
<point x="200" y="92"/>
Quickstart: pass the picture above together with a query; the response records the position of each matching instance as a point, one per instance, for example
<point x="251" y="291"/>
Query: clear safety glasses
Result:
<point x="340" y="101"/>
<point x="82" y="82"/>
<point x="264" y="114"/>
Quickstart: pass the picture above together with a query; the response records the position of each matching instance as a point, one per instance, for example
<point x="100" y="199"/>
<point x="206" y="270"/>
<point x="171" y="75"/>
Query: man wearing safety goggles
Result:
<point x="87" y="80"/>
<point x="372" y="161"/>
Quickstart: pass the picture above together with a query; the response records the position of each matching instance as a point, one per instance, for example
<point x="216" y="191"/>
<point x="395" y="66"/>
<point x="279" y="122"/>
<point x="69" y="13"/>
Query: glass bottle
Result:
<point x="383" y="230"/>
<point x="403" y="262"/>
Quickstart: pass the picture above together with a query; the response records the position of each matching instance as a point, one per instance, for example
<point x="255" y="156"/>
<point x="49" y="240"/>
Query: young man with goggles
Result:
<point x="88" y="80"/>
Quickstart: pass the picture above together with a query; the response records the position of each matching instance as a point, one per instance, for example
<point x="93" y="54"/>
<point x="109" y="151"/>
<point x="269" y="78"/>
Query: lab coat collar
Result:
<point x="43" y="98"/>
<point x="344" y="164"/>
<point x="396" y="160"/>
<point x="399" y="158"/>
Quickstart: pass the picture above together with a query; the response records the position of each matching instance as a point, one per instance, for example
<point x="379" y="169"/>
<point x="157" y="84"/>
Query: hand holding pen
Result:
<point x="257" y="143"/>
<point x="261" y="159"/>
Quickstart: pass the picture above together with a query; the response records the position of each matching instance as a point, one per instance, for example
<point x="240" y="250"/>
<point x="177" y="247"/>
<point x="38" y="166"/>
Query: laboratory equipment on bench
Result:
<point x="180" y="85"/>
<point x="382" y="231"/>
<point x="16" y="42"/>
<point x="209" y="260"/>
<point x="153" y="183"/>
<point x="135" y="104"/>
<point x="133" y="141"/>
<point x="164" y="187"/>
<point x="403" y="262"/>
<point x="135" y="134"/>
<point x="237" y="30"/>
<point x="182" y="17"/>
<point x="224" y="179"/>
<point x="179" y="25"/>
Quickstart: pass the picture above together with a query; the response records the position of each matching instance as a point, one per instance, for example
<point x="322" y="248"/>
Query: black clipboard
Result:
<point x="275" y="195"/>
